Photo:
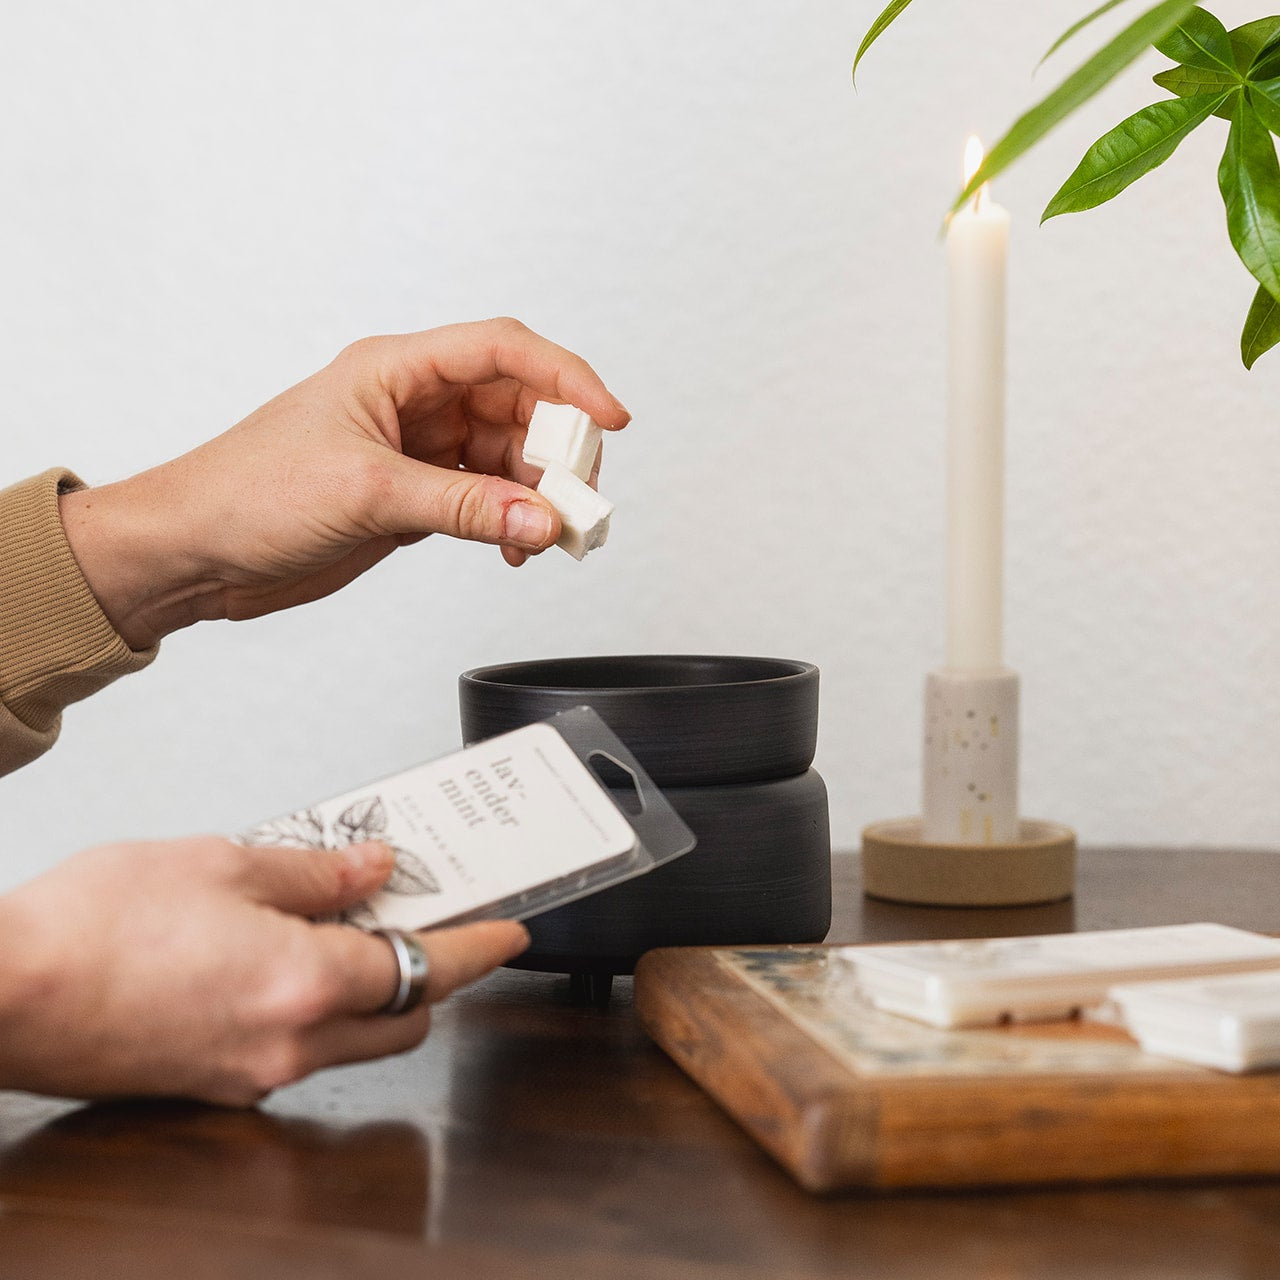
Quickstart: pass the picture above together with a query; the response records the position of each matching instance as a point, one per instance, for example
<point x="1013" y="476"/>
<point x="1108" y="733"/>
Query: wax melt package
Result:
<point x="506" y="828"/>
<point x="986" y="981"/>
<point x="1230" y="1022"/>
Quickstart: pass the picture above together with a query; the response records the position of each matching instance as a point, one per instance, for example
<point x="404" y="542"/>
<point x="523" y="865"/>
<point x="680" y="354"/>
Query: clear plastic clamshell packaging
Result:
<point x="505" y="829"/>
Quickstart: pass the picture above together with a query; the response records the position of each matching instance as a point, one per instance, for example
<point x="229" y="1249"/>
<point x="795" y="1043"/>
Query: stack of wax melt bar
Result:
<point x="564" y="442"/>
<point x="980" y="983"/>
<point x="1231" y="1022"/>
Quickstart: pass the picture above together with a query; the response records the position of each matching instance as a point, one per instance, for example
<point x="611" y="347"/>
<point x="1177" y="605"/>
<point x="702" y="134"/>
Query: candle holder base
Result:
<point x="898" y="864"/>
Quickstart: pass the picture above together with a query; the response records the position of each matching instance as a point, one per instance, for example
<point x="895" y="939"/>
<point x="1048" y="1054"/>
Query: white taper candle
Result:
<point x="977" y="248"/>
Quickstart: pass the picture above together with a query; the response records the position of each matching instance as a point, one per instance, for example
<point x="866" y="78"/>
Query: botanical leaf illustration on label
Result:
<point x="365" y="819"/>
<point x="301" y="830"/>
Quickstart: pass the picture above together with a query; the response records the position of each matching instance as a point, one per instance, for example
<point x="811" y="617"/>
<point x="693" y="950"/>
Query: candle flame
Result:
<point x="973" y="157"/>
<point x="974" y="154"/>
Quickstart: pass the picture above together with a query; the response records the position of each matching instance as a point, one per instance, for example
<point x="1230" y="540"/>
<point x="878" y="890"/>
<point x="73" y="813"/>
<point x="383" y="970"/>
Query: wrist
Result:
<point x="123" y="542"/>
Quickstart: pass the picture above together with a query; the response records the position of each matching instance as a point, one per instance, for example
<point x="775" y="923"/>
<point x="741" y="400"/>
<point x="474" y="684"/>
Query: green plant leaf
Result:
<point x="1266" y="66"/>
<point x="1265" y="99"/>
<point x="876" y="30"/>
<point x="1200" y="40"/>
<point x="1261" y="327"/>
<point x="1134" y="147"/>
<point x="1185" y="81"/>
<point x="1249" y="39"/>
<point x="1077" y="88"/>
<point x="1077" y="26"/>
<point x="1249" y="178"/>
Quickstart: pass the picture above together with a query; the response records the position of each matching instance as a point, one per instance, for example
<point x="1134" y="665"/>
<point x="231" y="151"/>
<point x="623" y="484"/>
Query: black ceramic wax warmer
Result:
<point x="730" y="740"/>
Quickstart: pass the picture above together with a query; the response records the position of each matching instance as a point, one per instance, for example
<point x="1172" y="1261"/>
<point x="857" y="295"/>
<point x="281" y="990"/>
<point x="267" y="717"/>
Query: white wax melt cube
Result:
<point x="560" y="433"/>
<point x="584" y="514"/>
<point x="1231" y="1022"/>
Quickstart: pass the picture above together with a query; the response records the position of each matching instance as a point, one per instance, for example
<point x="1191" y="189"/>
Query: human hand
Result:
<point x="398" y="438"/>
<point x="189" y="968"/>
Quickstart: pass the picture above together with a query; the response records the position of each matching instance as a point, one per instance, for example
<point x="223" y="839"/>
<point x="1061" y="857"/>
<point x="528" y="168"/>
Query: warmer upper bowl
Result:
<point x="691" y="720"/>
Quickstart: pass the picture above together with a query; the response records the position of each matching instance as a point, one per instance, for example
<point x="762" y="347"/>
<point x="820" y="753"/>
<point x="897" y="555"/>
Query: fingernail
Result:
<point x="622" y="408"/>
<point x="528" y="524"/>
<point x="367" y="857"/>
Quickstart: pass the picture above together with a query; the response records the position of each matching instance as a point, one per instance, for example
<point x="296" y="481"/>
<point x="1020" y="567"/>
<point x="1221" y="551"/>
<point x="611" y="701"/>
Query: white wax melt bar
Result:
<point x="584" y="514"/>
<point x="1230" y="1022"/>
<point x="560" y="433"/>
<point x="980" y="982"/>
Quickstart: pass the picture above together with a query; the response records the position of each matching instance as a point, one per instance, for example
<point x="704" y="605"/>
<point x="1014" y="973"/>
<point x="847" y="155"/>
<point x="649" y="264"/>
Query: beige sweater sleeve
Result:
<point x="56" y="645"/>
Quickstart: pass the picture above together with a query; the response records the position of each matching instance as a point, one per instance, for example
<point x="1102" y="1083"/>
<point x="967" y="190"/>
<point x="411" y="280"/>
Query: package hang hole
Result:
<point x="619" y="781"/>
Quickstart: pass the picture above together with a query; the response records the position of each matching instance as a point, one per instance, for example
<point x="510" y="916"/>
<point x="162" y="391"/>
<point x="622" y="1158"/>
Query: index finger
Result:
<point x="487" y="350"/>
<point x="366" y="973"/>
<point x="459" y="956"/>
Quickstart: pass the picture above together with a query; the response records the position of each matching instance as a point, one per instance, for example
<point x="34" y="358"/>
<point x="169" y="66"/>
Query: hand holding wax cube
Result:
<point x="400" y="436"/>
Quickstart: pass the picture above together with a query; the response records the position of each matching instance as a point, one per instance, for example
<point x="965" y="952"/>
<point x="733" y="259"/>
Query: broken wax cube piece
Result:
<point x="560" y="433"/>
<point x="584" y="514"/>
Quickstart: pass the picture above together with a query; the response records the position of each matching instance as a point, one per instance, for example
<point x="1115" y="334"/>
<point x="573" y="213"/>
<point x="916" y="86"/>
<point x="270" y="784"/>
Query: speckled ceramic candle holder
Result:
<point x="970" y="848"/>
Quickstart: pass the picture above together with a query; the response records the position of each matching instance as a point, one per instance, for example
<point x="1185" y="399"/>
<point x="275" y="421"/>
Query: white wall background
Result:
<point x="203" y="202"/>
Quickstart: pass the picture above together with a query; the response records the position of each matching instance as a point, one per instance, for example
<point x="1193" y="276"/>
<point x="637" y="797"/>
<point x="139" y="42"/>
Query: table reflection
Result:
<point x="246" y="1165"/>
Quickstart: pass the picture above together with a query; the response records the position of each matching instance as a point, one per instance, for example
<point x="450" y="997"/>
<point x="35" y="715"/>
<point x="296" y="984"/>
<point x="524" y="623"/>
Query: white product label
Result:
<point x="477" y="827"/>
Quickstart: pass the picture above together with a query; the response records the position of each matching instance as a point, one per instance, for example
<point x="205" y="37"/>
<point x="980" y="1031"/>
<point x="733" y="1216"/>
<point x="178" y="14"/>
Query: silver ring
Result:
<point x="411" y="986"/>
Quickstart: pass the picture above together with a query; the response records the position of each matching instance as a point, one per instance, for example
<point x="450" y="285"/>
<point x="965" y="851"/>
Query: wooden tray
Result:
<point x="846" y="1096"/>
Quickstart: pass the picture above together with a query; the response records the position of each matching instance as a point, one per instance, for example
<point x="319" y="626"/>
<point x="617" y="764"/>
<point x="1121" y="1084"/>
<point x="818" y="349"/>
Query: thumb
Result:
<point x="466" y="504"/>
<point x="314" y="882"/>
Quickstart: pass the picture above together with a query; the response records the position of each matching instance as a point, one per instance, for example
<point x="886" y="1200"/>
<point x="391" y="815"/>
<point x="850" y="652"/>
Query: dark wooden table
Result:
<point x="532" y="1137"/>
